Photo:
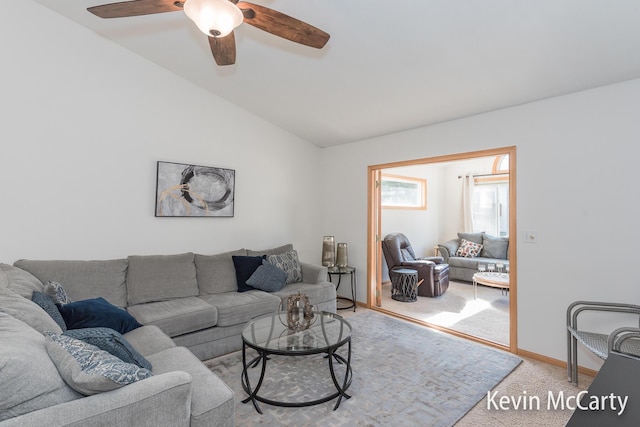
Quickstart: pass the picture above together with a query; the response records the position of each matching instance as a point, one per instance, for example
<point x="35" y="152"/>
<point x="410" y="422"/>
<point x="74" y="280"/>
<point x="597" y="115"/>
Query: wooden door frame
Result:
<point x="374" y="239"/>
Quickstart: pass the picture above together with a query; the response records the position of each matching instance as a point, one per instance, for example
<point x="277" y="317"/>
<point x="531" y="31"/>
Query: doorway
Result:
<point x="438" y="194"/>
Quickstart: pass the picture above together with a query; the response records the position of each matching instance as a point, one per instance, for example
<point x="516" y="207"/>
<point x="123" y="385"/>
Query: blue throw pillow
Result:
<point x="49" y="305"/>
<point x="245" y="267"/>
<point x="112" y="341"/>
<point x="268" y="278"/>
<point x="95" y="313"/>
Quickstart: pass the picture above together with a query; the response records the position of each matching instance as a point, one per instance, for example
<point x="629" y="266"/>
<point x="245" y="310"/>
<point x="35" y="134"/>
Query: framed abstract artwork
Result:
<point x="191" y="190"/>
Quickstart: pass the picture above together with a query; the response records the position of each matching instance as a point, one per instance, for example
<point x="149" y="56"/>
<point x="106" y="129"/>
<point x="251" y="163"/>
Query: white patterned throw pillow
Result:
<point x="468" y="249"/>
<point x="89" y="370"/>
<point x="57" y="292"/>
<point x="288" y="262"/>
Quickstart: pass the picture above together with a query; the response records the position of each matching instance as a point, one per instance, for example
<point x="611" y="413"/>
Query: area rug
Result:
<point x="403" y="374"/>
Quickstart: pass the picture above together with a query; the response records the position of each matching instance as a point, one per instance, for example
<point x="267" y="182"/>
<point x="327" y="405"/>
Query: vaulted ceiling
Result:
<point x="393" y="65"/>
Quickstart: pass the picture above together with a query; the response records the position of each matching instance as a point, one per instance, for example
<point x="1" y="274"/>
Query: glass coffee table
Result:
<point x="269" y="335"/>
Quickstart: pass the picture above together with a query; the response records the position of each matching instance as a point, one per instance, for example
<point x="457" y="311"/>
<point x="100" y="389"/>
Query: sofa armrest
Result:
<point x="313" y="273"/>
<point x="161" y="400"/>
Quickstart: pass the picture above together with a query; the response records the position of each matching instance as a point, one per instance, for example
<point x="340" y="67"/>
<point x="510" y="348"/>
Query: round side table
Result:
<point x="340" y="271"/>
<point x="404" y="285"/>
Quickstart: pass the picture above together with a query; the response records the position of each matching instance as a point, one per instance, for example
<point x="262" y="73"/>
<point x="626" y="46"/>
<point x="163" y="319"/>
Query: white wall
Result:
<point x="422" y="227"/>
<point x="84" y="122"/>
<point x="577" y="157"/>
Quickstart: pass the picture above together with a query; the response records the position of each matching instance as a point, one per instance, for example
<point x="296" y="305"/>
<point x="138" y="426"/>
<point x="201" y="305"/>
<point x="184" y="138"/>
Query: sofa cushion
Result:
<point x="288" y="262"/>
<point x="267" y="277"/>
<point x="30" y="380"/>
<point x="112" y="342"/>
<point x="468" y="249"/>
<point x="56" y="291"/>
<point x="49" y="306"/>
<point x="494" y="247"/>
<point x="472" y="237"/>
<point x="27" y="311"/>
<point x="273" y="251"/>
<point x="161" y="277"/>
<point x="178" y="316"/>
<point x="19" y="280"/>
<point x="95" y="313"/>
<point x="245" y="266"/>
<point x="240" y="307"/>
<point x="216" y="273"/>
<point x="89" y="370"/>
<point x="84" y="279"/>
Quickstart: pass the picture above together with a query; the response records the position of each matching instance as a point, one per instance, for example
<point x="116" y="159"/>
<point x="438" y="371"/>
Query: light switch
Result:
<point x="530" y="237"/>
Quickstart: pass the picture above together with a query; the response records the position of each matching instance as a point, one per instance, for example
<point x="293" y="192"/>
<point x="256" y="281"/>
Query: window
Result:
<point x="491" y="199"/>
<point x="401" y="192"/>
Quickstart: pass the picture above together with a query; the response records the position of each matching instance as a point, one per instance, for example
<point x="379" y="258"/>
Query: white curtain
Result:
<point x="467" y="203"/>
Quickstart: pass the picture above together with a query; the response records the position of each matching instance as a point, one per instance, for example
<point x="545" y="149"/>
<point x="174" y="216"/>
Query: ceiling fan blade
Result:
<point x="135" y="8"/>
<point x="282" y="25"/>
<point x="224" y="49"/>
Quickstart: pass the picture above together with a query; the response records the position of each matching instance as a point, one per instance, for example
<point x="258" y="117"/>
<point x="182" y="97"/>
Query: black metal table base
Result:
<point x="262" y="359"/>
<point x="350" y="302"/>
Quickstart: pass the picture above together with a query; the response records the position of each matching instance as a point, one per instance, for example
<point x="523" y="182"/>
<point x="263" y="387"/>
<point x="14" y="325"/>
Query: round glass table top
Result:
<point x="270" y="332"/>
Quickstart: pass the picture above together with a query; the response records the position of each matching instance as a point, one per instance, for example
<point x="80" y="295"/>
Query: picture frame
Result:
<point x="185" y="190"/>
<point x="403" y="192"/>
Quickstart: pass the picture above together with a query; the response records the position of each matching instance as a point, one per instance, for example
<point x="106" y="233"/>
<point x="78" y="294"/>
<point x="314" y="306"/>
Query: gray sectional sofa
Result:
<point x="494" y="250"/>
<point x="190" y="309"/>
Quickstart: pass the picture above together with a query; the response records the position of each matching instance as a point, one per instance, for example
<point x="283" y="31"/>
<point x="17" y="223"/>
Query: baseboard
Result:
<point x="555" y="362"/>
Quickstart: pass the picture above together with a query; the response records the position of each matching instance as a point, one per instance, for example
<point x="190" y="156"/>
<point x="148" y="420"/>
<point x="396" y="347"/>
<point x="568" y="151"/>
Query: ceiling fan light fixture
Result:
<point x="215" y="18"/>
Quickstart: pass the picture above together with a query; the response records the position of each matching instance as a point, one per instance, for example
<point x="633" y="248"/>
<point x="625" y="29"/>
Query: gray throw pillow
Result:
<point x="111" y="341"/>
<point x="268" y="278"/>
<point x="89" y="370"/>
<point x="288" y="262"/>
<point x="49" y="306"/>
<point x="494" y="247"/>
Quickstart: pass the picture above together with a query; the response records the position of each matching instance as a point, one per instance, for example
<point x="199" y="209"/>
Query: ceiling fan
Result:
<point x="218" y="18"/>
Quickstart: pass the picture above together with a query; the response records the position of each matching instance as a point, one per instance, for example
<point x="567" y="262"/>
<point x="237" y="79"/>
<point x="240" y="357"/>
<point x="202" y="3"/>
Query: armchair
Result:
<point x="624" y="340"/>
<point x="433" y="271"/>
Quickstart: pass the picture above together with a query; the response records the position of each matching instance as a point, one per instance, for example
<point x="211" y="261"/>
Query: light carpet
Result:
<point x="485" y="317"/>
<point x="403" y="374"/>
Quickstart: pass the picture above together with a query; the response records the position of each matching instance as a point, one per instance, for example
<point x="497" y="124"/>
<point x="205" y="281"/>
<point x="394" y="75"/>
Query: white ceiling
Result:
<point x="393" y="65"/>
